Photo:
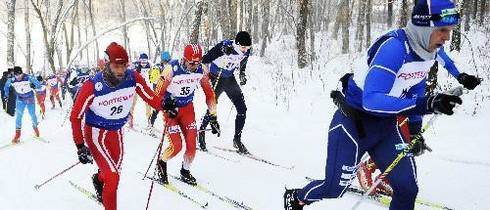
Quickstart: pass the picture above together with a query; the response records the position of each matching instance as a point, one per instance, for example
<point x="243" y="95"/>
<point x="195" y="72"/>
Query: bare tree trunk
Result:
<point x="467" y="16"/>
<point x="474" y="9"/>
<point x="312" y="30"/>
<point x="122" y="4"/>
<point x="403" y="14"/>
<point x="345" y="25"/>
<point x="390" y="13"/>
<point x="265" y="25"/>
<point x="483" y="8"/>
<point x="10" y="32"/>
<point x="369" y="11"/>
<point x="250" y="16"/>
<point x="456" y="37"/>
<point x="162" y="26"/>
<point x="197" y="23"/>
<point x="301" y="33"/>
<point x="255" y="32"/>
<point x="233" y="17"/>
<point x="360" y="24"/>
<point x="92" y="22"/>
<point x="85" y="25"/>
<point x="28" y="36"/>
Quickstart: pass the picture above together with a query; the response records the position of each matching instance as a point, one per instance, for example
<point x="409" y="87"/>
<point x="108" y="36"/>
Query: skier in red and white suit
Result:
<point x="104" y="101"/>
<point x="176" y="86"/>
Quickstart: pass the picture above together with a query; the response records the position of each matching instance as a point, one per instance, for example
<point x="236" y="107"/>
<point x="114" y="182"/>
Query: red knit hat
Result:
<point x="116" y="53"/>
<point x="193" y="52"/>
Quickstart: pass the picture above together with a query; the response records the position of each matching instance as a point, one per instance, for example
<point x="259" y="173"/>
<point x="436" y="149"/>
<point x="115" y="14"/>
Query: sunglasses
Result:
<point x="193" y="63"/>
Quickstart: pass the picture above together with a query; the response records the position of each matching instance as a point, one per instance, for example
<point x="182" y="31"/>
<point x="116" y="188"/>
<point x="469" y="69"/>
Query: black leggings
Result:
<point x="230" y="86"/>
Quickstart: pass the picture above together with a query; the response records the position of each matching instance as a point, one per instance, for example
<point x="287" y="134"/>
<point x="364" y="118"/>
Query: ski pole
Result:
<point x="458" y="91"/>
<point x="37" y="186"/>
<point x="157" y="152"/>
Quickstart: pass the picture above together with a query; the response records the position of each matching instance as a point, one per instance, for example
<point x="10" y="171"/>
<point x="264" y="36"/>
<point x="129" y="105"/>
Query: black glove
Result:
<point x="443" y="103"/>
<point x="243" y="78"/>
<point x="213" y="121"/>
<point x="84" y="154"/>
<point x="227" y="47"/>
<point x="169" y="104"/>
<point x="468" y="81"/>
<point x="419" y="147"/>
<point x="173" y="113"/>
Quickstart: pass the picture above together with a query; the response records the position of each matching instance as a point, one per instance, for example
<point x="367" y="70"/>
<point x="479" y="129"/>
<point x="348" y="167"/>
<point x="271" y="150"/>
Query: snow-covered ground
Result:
<point x="289" y="111"/>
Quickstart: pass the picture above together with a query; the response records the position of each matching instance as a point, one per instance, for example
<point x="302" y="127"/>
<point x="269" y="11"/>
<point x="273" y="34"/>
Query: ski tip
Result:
<point x="36" y="187"/>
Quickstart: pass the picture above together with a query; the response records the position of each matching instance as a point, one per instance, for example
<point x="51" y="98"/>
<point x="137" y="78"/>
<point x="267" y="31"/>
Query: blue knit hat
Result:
<point x="435" y="13"/>
<point x="143" y="56"/>
<point x="165" y="56"/>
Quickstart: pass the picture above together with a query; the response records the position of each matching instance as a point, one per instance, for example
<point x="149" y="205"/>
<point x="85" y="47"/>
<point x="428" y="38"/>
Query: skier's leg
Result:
<point x="343" y="156"/>
<point x="173" y="134"/>
<point x="107" y="149"/>
<point x="403" y="177"/>
<point x="236" y="96"/>
<point x="31" y="108"/>
<point x="19" y="113"/>
<point x="188" y="125"/>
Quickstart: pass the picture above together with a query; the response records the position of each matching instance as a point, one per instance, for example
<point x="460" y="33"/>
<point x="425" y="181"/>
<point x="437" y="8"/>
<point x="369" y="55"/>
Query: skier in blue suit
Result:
<point x="25" y="98"/>
<point x="392" y="83"/>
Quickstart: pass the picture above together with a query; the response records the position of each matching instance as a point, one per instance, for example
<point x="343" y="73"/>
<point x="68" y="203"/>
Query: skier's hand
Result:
<point x="173" y="113"/>
<point x="84" y="154"/>
<point x="469" y="81"/>
<point x="227" y="47"/>
<point x="169" y="104"/>
<point x="243" y="78"/>
<point x="419" y="147"/>
<point x="442" y="103"/>
<point x="214" y="125"/>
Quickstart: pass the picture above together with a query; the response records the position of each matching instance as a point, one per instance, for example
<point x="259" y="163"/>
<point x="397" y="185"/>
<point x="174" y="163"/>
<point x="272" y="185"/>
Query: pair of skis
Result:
<point x="231" y="202"/>
<point x="8" y="145"/>
<point x="385" y="200"/>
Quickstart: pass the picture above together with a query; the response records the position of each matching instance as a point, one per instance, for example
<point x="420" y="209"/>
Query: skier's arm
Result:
<point x="213" y="54"/>
<point x="7" y="87"/>
<point x="82" y="102"/>
<point x="380" y="79"/>
<point x="208" y="91"/>
<point x="243" y="64"/>
<point x="146" y="93"/>
<point x="447" y="62"/>
<point x="164" y="81"/>
<point x="34" y="82"/>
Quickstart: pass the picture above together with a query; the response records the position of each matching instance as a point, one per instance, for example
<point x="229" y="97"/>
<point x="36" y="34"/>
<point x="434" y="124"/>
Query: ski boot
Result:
<point x="237" y="143"/>
<point x="291" y="201"/>
<point x="365" y="177"/>
<point x="162" y="172"/>
<point x="36" y="132"/>
<point x="187" y="177"/>
<point x="16" y="138"/>
<point x="98" y="185"/>
<point x="202" y="142"/>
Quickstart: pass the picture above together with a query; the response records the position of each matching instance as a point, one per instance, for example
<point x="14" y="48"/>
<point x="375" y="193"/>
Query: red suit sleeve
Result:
<point x="82" y="102"/>
<point x="146" y="93"/>
<point x="209" y="92"/>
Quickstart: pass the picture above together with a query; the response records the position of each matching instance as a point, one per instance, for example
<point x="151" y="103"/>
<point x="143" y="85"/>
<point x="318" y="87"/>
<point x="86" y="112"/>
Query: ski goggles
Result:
<point x="193" y="63"/>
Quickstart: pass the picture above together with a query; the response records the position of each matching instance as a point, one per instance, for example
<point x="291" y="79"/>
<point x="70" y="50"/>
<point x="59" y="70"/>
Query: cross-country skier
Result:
<point x="104" y="101"/>
<point x="41" y="95"/>
<point x="54" y="82"/>
<point x="226" y="57"/>
<point x="164" y="59"/>
<point x="177" y="85"/>
<point x="142" y="66"/>
<point x="392" y="84"/>
<point x="25" y="98"/>
<point x="75" y="79"/>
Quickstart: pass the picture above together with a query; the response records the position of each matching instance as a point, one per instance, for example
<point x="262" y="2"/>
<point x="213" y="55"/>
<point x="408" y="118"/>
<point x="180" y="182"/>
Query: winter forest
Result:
<point x="299" y="51"/>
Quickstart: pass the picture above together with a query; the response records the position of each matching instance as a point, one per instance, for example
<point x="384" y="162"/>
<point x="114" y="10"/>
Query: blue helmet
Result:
<point x="165" y="56"/>
<point x="435" y="13"/>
